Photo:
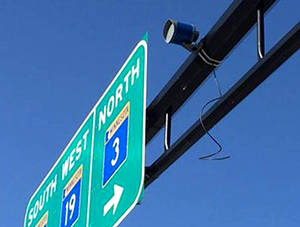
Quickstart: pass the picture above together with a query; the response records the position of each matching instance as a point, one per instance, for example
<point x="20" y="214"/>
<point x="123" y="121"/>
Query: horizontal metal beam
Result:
<point x="253" y="78"/>
<point x="233" y="25"/>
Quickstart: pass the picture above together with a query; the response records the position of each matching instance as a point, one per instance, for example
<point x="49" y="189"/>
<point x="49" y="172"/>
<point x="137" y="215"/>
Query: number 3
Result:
<point x="116" y="144"/>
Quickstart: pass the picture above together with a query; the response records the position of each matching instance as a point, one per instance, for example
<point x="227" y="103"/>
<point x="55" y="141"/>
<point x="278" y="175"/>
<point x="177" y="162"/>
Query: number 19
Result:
<point x="70" y="206"/>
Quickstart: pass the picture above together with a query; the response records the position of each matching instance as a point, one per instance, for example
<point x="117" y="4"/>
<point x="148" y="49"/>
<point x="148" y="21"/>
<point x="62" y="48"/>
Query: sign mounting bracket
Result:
<point x="260" y="31"/>
<point x="168" y="126"/>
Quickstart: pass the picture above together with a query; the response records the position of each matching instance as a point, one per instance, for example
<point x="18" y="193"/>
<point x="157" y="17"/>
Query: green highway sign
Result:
<point x="98" y="179"/>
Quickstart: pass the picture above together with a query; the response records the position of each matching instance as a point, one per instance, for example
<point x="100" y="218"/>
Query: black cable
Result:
<point x="211" y="156"/>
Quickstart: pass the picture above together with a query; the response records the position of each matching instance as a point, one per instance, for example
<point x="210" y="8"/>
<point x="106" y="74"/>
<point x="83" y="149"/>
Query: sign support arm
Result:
<point x="284" y="49"/>
<point x="232" y="26"/>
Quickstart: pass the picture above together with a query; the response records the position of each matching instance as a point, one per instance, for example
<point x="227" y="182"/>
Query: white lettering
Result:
<point x="30" y="217"/>
<point x="119" y="93"/>
<point x="74" y="156"/>
<point x="102" y="118"/>
<point x="65" y="169"/>
<point x="85" y="139"/>
<point x="53" y="185"/>
<point x="42" y="200"/>
<point x="71" y="162"/>
<point x="78" y="150"/>
<point x="111" y="105"/>
<point x="47" y="192"/>
<point x="136" y="70"/>
<point x="123" y="88"/>
<point x="126" y="81"/>
<point x="36" y="209"/>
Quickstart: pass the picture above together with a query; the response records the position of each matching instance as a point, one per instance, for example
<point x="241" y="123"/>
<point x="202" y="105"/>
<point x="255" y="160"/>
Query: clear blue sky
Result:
<point x="58" y="57"/>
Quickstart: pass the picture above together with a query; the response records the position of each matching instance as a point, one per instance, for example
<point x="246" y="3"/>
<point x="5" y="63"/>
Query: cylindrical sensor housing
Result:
<point x="179" y="33"/>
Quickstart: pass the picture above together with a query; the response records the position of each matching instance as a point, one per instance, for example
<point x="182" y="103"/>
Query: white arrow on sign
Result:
<point x="114" y="201"/>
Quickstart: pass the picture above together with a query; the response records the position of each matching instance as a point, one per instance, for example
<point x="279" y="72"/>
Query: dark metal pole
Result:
<point x="260" y="31"/>
<point x="284" y="49"/>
